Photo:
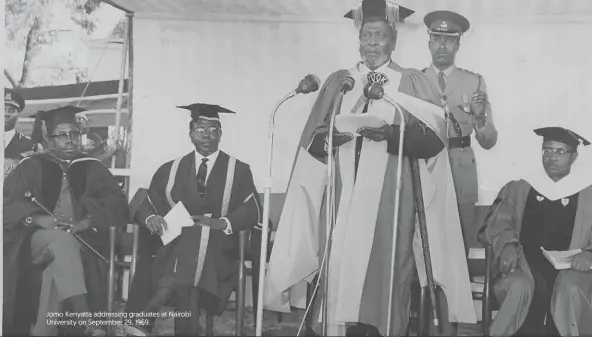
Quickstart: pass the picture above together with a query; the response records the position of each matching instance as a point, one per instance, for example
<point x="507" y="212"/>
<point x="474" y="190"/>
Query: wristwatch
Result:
<point x="28" y="221"/>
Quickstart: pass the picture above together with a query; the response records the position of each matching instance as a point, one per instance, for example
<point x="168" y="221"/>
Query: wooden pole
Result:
<point x="120" y="90"/>
<point x="130" y="96"/>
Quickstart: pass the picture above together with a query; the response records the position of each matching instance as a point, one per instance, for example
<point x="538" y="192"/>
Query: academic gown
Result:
<point x="360" y="263"/>
<point x="95" y="193"/>
<point x="522" y="215"/>
<point x="220" y="267"/>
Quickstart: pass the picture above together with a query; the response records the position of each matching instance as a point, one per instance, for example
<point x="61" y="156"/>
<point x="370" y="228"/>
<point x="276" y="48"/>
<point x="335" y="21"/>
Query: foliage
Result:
<point x="33" y="24"/>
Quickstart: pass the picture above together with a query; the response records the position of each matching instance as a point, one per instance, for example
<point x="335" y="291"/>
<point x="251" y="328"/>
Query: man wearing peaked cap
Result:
<point x="45" y="268"/>
<point x="198" y="269"/>
<point x="366" y="171"/>
<point x="16" y="145"/>
<point x="548" y="209"/>
<point x="464" y="95"/>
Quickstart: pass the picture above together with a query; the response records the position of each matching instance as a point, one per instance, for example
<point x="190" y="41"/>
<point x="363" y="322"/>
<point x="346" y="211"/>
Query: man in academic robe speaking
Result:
<point x="47" y="269"/>
<point x="551" y="209"/>
<point x="199" y="268"/>
<point x="365" y="187"/>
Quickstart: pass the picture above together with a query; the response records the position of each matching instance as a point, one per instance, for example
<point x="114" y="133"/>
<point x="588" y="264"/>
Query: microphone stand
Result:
<point x="420" y="208"/>
<point x="330" y="209"/>
<point x="265" y="225"/>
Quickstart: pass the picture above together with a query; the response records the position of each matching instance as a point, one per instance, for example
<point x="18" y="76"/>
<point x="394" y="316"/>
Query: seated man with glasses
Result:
<point x="549" y="209"/>
<point x="55" y="203"/>
<point x="199" y="268"/>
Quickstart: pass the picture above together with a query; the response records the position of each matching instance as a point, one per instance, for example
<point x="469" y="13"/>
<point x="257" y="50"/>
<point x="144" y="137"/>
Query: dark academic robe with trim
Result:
<point x="220" y="269"/>
<point x="95" y="193"/>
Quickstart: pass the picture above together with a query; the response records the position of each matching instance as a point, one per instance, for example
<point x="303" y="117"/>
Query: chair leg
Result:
<point x="240" y="300"/>
<point x="486" y="297"/>
<point x="421" y="314"/>
<point x="111" y="280"/>
<point x="209" y="325"/>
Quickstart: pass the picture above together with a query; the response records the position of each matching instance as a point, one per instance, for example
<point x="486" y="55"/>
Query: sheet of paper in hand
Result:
<point x="560" y="259"/>
<point x="351" y="123"/>
<point x="177" y="218"/>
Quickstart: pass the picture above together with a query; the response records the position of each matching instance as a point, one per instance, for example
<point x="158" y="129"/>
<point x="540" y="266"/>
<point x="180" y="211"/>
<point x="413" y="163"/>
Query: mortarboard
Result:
<point x="562" y="135"/>
<point x="378" y="10"/>
<point x="205" y="111"/>
<point x="446" y="23"/>
<point x="11" y="97"/>
<point x="62" y="115"/>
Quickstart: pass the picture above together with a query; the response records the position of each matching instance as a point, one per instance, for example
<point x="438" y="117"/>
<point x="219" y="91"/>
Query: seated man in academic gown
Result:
<point x="199" y="269"/>
<point x="47" y="269"/>
<point x="551" y="209"/>
<point x="16" y="145"/>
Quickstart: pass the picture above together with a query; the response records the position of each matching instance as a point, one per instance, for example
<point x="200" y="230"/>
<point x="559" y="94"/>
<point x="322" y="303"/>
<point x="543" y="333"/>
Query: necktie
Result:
<point x="442" y="81"/>
<point x="201" y="176"/>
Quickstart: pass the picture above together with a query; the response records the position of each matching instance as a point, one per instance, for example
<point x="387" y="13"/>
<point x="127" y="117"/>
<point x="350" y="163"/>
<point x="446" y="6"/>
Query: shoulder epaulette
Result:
<point x="470" y="72"/>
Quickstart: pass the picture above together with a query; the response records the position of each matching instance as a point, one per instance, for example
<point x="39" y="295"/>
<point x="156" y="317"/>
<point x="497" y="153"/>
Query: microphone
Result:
<point x="310" y="83"/>
<point x="348" y="84"/>
<point x="374" y="91"/>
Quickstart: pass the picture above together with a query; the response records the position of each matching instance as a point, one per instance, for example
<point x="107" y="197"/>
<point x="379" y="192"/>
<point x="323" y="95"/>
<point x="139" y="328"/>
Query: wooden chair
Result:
<point x="488" y="301"/>
<point x="121" y="244"/>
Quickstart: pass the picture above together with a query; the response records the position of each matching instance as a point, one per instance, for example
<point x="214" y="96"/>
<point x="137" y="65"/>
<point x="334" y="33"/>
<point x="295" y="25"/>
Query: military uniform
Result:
<point x="16" y="145"/>
<point x="456" y="87"/>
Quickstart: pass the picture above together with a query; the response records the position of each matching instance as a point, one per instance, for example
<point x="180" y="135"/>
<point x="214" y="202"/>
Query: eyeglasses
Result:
<point x="64" y="136"/>
<point x="203" y="129"/>
<point x="447" y="40"/>
<point x="557" y="152"/>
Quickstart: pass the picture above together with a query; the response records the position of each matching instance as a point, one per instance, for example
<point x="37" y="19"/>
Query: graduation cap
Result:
<point x="55" y="117"/>
<point x="205" y="111"/>
<point x="562" y="135"/>
<point x="11" y="97"/>
<point x="446" y="23"/>
<point x="378" y="10"/>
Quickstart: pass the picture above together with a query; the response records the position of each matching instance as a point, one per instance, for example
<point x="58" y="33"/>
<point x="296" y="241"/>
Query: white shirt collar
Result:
<point x="447" y="72"/>
<point x="210" y="163"/>
<point x="365" y="70"/>
<point x="8" y="135"/>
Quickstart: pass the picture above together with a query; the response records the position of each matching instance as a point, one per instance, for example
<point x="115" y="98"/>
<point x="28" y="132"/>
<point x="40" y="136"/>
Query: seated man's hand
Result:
<point x="340" y="138"/>
<point x="216" y="224"/>
<point x="71" y="226"/>
<point x="376" y="134"/>
<point x="157" y="225"/>
<point x="45" y="221"/>
<point x="582" y="261"/>
<point x="508" y="259"/>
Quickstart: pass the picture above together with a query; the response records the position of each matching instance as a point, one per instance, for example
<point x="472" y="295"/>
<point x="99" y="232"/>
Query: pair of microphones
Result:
<point x="311" y="83"/>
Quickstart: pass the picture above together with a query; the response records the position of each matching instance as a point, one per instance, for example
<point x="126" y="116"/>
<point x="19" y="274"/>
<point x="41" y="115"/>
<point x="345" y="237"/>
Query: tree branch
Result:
<point x="10" y="79"/>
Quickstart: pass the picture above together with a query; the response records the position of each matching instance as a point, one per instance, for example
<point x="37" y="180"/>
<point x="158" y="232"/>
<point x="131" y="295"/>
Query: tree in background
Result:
<point x="31" y="25"/>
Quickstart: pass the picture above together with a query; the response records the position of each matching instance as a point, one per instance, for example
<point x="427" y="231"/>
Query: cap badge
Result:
<point x="8" y="96"/>
<point x="444" y="24"/>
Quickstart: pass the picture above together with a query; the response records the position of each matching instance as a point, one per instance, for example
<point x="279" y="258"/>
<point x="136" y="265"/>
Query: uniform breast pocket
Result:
<point x="464" y="172"/>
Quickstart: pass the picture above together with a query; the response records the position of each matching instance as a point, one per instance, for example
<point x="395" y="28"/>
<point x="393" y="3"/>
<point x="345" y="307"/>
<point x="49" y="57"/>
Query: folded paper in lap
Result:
<point x="560" y="259"/>
<point x="177" y="218"/>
